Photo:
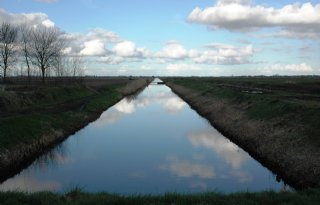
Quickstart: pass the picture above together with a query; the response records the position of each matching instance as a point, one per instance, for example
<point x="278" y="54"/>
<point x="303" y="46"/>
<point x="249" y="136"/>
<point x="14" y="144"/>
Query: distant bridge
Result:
<point x="157" y="83"/>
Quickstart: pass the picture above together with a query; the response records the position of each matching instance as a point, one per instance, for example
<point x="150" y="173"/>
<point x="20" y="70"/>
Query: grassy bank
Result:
<point x="32" y="121"/>
<point x="309" y="197"/>
<point x="275" y="119"/>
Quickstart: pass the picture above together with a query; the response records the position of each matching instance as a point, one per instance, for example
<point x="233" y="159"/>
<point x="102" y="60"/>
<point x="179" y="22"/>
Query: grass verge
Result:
<point x="76" y="197"/>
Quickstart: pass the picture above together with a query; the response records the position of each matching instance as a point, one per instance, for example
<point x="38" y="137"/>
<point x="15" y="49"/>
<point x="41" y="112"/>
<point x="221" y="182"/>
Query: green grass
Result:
<point x="27" y="127"/>
<point x="77" y="197"/>
<point x="293" y="100"/>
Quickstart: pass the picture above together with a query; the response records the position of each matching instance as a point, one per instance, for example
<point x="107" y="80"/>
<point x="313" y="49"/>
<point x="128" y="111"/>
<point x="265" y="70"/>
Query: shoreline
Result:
<point x="21" y="156"/>
<point x="242" y="130"/>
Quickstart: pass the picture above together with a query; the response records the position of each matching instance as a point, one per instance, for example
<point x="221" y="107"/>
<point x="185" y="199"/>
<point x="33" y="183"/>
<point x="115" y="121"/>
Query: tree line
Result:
<point x="36" y="51"/>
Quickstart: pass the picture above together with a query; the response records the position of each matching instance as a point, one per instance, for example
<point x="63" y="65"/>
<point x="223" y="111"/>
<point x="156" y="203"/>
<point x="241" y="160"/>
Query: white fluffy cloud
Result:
<point x="172" y="50"/>
<point x="92" y="43"/>
<point x="225" y="55"/>
<point x="30" y="19"/>
<point x="93" y="48"/>
<point x="129" y="49"/>
<point x="295" y="20"/>
<point x="214" y="54"/>
<point x="125" y="49"/>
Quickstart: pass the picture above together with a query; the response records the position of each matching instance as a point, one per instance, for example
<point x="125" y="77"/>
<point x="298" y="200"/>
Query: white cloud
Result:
<point x="125" y="49"/>
<point x="48" y="23"/>
<point x="92" y="43"/>
<point x="30" y="19"/>
<point x="293" y="19"/>
<point x="225" y="54"/>
<point x="215" y="54"/>
<point x="173" y="50"/>
<point x="111" y="60"/>
<point x="289" y="69"/>
<point x="93" y="48"/>
<point x="184" y="168"/>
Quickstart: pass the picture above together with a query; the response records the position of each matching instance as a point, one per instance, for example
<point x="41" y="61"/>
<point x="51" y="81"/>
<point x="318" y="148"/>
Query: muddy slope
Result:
<point x="275" y="145"/>
<point x="14" y="160"/>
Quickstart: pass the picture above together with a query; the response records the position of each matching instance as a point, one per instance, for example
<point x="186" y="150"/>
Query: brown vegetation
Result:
<point x="279" y="143"/>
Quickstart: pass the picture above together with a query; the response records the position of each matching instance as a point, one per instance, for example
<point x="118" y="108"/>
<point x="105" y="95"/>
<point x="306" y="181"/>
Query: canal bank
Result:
<point x="35" y="131"/>
<point x="275" y="142"/>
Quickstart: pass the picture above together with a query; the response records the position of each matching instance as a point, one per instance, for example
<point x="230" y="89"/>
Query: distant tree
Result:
<point x="77" y="66"/>
<point x="72" y="66"/>
<point x="46" y="47"/>
<point x="25" y="39"/>
<point x="8" y="46"/>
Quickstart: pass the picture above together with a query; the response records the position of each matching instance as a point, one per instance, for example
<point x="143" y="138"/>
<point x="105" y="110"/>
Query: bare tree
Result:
<point x="72" y="66"/>
<point x="77" y="65"/>
<point x="25" y="38"/>
<point x="46" y="48"/>
<point x="8" y="40"/>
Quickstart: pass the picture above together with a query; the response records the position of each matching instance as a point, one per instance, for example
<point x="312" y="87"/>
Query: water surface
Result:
<point x="149" y="144"/>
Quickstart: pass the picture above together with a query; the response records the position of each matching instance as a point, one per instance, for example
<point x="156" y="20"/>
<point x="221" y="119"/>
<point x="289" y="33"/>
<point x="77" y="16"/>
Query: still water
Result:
<point x="149" y="144"/>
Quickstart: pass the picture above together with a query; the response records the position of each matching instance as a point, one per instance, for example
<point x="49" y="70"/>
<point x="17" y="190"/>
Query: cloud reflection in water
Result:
<point x="171" y="104"/>
<point x="28" y="184"/>
<point x="184" y="168"/>
<point x="216" y="142"/>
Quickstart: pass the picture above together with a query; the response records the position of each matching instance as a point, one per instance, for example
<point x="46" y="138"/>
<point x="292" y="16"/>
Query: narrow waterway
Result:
<point x="149" y="144"/>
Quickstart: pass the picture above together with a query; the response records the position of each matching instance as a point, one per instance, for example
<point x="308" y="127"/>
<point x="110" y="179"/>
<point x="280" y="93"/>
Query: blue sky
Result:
<point x="168" y="37"/>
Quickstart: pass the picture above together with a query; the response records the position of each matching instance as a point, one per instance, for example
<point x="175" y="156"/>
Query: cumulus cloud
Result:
<point x="92" y="43"/>
<point x="214" y="54"/>
<point x="173" y="50"/>
<point x="30" y="19"/>
<point x="294" y="20"/>
<point x="225" y="55"/>
<point x="129" y="49"/>
<point x="93" y="48"/>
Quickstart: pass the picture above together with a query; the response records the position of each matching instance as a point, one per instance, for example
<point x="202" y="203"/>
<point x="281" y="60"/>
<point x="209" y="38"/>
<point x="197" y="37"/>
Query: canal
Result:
<point x="151" y="143"/>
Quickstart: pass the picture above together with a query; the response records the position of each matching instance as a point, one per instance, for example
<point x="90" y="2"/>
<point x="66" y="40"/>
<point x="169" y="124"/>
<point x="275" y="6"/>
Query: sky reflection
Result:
<point x="149" y="144"/>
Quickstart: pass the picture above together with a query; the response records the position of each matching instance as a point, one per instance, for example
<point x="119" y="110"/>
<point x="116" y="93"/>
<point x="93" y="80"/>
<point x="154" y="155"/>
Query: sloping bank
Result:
<point x="42" y="130"/>
<point x="276" y="143"/>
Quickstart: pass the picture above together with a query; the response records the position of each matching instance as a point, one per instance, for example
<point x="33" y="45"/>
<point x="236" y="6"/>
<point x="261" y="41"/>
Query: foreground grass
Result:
<point x="293" y="100"/>
<point x="76" y="196"/>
